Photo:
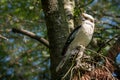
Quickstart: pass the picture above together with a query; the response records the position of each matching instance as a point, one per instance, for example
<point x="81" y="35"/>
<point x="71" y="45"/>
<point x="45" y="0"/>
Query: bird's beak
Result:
<point x="83" y="14"/>
<point x="82" y="17"/>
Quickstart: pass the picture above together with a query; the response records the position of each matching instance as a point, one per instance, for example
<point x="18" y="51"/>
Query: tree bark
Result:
<point x="32" y="35"/>
<point x="57" y="32"/>
<point x="69" y="6"/>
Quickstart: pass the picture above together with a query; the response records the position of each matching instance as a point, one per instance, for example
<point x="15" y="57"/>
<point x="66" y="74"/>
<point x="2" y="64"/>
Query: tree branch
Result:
<point x="3" y="37"/>
<point x="116" y="26"/>
<point x="107" y="42"/>
<point x="31" y="35"/>
<point x="111" y="15"/>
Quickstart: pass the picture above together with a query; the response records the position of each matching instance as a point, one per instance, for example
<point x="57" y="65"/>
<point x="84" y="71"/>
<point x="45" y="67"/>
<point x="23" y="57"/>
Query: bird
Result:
<point x="80" y="36"/>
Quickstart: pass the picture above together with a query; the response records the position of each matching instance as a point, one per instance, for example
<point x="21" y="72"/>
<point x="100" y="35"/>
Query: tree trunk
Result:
<point x="57" y="32"/>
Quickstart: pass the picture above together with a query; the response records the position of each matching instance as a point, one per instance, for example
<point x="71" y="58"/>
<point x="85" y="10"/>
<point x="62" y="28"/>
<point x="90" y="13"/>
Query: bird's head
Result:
<point x="88" y="19"/>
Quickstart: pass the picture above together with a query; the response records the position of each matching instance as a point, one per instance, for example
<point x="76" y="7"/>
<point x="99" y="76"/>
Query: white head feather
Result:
<point x="88" y="23"/>
<point x="88" y="17"/>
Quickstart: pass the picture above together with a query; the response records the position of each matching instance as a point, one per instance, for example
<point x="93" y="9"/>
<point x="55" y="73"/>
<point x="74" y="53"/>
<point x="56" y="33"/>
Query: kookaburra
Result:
<point x="81" y="35"/>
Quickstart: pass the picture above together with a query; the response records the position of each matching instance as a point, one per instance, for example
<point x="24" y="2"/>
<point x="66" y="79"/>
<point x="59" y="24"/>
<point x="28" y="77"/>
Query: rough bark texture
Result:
<point x="57" y="32"/>
<point x="69" y="6"/>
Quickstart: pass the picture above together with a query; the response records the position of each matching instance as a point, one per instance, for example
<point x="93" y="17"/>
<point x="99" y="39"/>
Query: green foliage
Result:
<point x="21" y="57"/>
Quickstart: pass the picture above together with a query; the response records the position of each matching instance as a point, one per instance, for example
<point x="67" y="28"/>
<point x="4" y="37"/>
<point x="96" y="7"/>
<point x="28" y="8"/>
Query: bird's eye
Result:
<point x="85" y="18"/>
<point x="91" y="20"/>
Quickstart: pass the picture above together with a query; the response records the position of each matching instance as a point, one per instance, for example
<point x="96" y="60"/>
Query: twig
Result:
<point x="32" y="35"/>
<point x="3" y="37"/>
<point x="111" y="15"/>
<point x="86" y="4"/>
<point x="104" y="44"/>
<point x="68" y="71"/>
<point x="117" y="27"/>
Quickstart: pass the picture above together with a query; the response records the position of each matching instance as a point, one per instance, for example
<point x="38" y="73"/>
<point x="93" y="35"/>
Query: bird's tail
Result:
<point x="61" y="64"/>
